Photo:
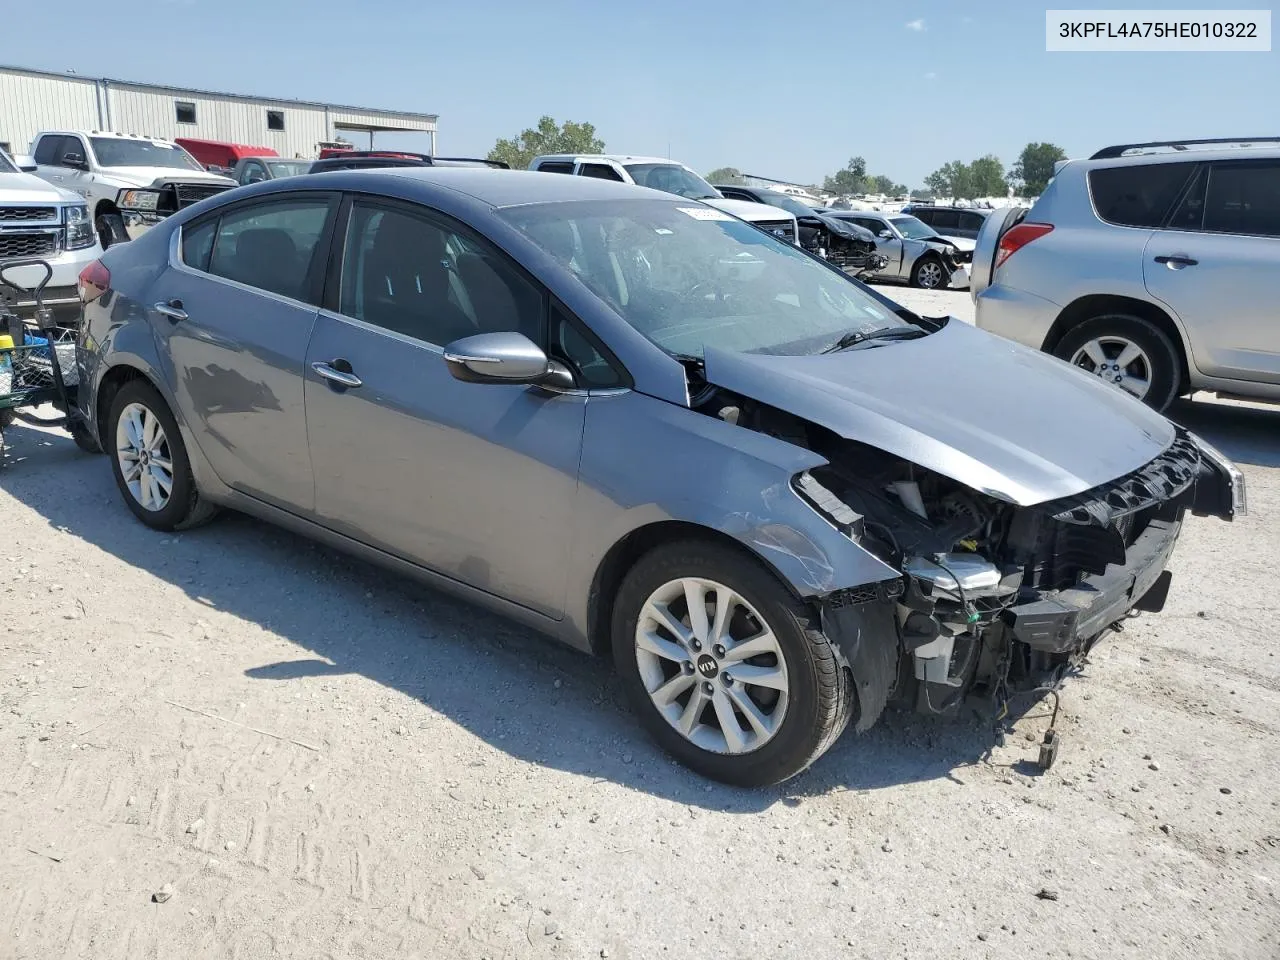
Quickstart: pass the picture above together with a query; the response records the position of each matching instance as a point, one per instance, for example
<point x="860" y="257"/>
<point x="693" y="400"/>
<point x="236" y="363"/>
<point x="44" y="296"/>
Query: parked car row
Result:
<point x="775" y="498"/>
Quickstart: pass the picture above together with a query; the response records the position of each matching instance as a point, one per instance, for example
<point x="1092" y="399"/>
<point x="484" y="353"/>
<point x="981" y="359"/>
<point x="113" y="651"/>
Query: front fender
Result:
<point x="646" y="461"/>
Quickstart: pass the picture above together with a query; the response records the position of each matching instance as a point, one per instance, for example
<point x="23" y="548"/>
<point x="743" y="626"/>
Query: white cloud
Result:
<point x="931" y="75"/>
<point x="916" y="25"/>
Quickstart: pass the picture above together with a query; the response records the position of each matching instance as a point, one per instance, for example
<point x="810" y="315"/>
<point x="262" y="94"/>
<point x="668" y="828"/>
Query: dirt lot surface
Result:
<point x="232" y="743"/>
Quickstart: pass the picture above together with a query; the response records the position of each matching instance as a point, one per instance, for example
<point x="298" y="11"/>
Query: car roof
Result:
<point x="107" y="133"/>
<point x="509" y="188"/>
<point x="622" y="158"/>
<point x="1192" y="155"/>
<point x="913" y="207"/>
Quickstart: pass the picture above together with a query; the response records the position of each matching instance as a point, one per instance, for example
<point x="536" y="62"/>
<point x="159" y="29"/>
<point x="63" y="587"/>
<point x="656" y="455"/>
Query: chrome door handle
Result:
<point x="171" y="309"/>
<point x="340" y="377"/>
<point x="1176" y="262"/>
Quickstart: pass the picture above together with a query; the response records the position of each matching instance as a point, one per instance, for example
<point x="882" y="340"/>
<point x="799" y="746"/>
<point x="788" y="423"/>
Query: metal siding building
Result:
<point x="35" y="100"/>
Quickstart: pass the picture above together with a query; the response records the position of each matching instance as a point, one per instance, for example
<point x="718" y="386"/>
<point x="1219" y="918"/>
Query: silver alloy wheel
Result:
<point x="1118" y="361"/>
<point x="711" y="665"/>
<point x="142" y="451"/>
<point x="929" y="275"/>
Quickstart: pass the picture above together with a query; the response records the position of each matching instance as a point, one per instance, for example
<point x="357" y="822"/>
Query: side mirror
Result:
<point x="504" y="358"/>
<point x="76" y="160"/>
<point x="885" y="234"/>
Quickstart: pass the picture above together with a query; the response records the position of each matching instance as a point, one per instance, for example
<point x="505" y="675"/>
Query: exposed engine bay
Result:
<point x="994" y="598"/>
<point x="845" y="245"/>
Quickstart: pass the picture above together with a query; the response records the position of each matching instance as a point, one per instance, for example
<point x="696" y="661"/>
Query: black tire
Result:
<point x="83" y="438"/>
<point x="1165" y="374"/>
<point x="185" y="508"/>
<point x="942" y="273"/>
<point x="111" y="230"/>
<point x="820" y="699"/>
<point x="6" y="417"/>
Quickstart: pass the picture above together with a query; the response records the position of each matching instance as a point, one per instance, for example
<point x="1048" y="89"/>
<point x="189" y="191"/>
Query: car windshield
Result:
<point x="789" y="204"/>
<point x="6" y="164"/>
<point x="288" y="168"/>
<point x="689" y="276"/>
<point x="913" y="229"/>
<point x="672" y="178"/>
<point x="127" y="152"/>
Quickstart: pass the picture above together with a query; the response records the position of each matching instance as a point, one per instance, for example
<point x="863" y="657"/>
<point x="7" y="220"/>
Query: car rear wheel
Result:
<point x="725" y="667"/>
<point x="150" y="463"/>
<point x="1127" y="352"/>
<point x="929" y="274"/>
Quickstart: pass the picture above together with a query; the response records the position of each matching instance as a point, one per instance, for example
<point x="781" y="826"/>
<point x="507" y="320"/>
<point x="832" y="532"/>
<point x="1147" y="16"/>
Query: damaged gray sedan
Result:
<point x="777" y="499"/>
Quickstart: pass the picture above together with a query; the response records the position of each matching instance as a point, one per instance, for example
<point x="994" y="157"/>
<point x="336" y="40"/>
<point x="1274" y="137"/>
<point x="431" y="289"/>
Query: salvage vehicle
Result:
<point x="220" y="155"/>
<point x="669" y="177"/>
<point x="950" y="222"/>
<point x="257" y="169"/>
<point x="41" y="221"/>
<point x="914" y="251"/>
<point x="850" y="247"/>
<point x="1149" y="265"/>
<point x="129" y="183"/>
<point x="648" y="428"/>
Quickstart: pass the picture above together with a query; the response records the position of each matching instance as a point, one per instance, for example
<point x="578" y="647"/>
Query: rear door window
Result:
<point x="600" y="171"/>
<point x="1244" y="197"/>
<point x="943" y="220"/>
<point x="272" y="246"/>
<point x="972" y="221"/>
<point x="1138" y="195"/>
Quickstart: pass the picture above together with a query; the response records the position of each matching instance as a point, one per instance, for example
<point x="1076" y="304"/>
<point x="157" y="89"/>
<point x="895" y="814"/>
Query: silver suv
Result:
<point x="1151" y="265"/>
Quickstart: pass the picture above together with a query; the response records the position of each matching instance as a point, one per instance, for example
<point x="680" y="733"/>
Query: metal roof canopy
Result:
<point x="111" y="81"/>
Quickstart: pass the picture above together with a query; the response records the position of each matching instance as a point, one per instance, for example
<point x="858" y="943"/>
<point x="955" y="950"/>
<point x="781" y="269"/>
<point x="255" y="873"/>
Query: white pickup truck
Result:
<point x="128" y="182"/>
<point x="669" y="177"/>
<point x="41" y="221"/>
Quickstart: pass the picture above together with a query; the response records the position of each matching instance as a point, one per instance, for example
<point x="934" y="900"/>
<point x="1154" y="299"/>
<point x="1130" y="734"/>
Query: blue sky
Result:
<point x="789" y="90"/>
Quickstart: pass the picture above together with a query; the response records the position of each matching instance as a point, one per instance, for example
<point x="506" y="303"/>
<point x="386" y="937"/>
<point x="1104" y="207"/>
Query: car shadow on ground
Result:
<point x="522" y="694"/>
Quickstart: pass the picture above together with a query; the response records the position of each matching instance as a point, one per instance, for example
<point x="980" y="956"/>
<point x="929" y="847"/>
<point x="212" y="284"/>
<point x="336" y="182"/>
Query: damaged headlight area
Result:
<point x="995" y="597"/>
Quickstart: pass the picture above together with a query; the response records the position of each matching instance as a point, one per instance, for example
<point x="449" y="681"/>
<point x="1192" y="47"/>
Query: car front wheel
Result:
<point x="724" y="666"/>
<point x="149" y="460"/>
<point x="929" y="274"/>
<point x="1127" y="352"/>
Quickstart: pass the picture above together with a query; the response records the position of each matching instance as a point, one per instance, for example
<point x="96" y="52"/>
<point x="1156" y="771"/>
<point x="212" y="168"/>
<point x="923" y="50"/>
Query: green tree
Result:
<point x="852" y="179"/>
<point x="952" y="179"/>
<point x="547" y="137"/>
<point x="986" y="177"/>
<point x="725" y="175"/>
<point x="1033" y="169"/>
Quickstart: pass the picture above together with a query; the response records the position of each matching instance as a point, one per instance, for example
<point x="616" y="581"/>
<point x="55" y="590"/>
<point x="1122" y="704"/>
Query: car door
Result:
<point x="889" y="247"/>
<point x="1215" y="262"/>
<point x="474" y="481"/>
<point x="48" y="154"/>
<point x="971" y="224"/>
<point x="234" y="314"/>
<point x="253" y="172"/>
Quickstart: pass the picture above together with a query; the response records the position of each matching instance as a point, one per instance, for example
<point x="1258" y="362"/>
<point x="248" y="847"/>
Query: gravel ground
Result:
<point x="232" y="743"/>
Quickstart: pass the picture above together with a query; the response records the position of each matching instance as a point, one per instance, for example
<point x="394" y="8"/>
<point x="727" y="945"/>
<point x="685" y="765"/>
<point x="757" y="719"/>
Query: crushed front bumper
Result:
<point x="1066" y="620"/>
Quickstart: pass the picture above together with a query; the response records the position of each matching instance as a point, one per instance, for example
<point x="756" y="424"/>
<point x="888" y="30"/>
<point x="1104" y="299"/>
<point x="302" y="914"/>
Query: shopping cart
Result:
<point x="37" y="360"/>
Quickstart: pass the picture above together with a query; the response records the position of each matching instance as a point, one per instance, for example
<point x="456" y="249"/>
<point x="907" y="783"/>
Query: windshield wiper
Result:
<point x="854" y="337"/>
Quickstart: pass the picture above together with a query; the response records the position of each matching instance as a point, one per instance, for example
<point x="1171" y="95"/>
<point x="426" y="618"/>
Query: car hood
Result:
<point x="157" y="176"/>
<point x="963" y="244"/>
<point x="845" y="228"/>
<point x="28" y="188"/>
<point x="747" y="210"/>
<point x="996" y="416"/>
